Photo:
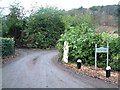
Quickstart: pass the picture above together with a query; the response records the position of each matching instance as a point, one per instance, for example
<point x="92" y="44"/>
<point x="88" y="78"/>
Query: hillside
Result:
<point x="103" y="15"/>
<point x="108" y="29"/>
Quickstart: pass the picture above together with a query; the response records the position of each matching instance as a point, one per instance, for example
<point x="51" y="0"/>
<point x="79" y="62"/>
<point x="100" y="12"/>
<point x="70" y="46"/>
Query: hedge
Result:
<point x="44" y="28"/>
<point x="82" y="46"/>
<point x="7" y="46"/>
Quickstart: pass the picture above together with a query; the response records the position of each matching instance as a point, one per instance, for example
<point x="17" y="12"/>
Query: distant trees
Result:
<point x="103" y="15"/>
<point x="94" y="8"/>
<point x="109" y="9"/>
<point x="119" y="19"/>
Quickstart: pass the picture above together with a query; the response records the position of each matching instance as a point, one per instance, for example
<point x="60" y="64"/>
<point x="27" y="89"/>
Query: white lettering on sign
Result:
<point x="101" y="50"/>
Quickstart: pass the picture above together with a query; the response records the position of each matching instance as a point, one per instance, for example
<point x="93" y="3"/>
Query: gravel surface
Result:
<point x="41" y="69"/>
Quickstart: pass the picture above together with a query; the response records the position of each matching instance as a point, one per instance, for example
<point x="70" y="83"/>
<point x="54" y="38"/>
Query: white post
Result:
<point x="107" y="53"/>
<point x="95" y="57"/>
<point x="65" y="54"/>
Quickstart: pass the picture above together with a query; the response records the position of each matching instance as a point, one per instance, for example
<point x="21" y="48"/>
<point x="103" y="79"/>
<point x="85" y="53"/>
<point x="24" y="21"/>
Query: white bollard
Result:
<point x="79" y="63"/>
<point x="79" y="60"/>
<point x="108" y="70"/>
<point x="65" y="53"/>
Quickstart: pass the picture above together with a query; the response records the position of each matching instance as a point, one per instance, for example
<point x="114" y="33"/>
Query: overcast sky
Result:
<point x="63" y="4"/>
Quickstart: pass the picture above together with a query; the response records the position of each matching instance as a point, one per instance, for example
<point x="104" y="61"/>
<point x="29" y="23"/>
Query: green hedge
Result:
<point x="115" y="54"/>
<point x="7" y="46"/>
<point x="82" y="46"/>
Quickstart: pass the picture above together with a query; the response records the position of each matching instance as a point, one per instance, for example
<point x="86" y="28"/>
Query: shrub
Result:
<point x="114" y="54"/>
<point x="82" y="40"/>
<point x="13" y="24"/>
<point x="81" y="44"/>
<point x="7" y="46"/>
<point x="44" y="28"/>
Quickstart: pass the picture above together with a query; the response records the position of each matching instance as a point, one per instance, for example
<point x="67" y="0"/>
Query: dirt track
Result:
<point x="40" y="69"/>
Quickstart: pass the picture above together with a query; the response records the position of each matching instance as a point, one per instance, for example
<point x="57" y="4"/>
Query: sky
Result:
<point x="61" y="4"/>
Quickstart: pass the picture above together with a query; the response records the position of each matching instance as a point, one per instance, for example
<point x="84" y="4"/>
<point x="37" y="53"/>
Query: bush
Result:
<point x="81" y="44"/>
<point x="7" y="46"/>
<point x="13" y="24"/>
<point x="82" y="40"/>
<point x="44" y="28"/>
<point x="115" y="54"/>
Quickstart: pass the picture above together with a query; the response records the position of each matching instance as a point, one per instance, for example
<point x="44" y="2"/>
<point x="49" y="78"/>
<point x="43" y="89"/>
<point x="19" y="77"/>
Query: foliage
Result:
<point x="114" y="54"/>
<point x="71" y="21"/>
<point x="44" y="28"/>
<point x="94" y="8"/>
<point x="79" y="43"/>
<point x="7" y="46"/>
<point x="14" y="23"/>
<point x="82" y="40"/>
<point x="103" y="15"/>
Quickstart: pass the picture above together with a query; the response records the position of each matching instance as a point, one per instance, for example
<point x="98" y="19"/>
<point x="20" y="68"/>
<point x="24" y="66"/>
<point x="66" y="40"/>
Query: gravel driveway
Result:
<point x="40" y="69"/>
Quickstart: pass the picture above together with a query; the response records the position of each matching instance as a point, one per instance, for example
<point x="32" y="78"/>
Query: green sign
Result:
<point x="101" y="50"/>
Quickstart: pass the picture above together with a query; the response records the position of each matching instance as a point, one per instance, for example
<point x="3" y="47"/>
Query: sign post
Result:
<point x="107" y="54"/>
<point x="95" y="57"/>
<point x="101" y="50"/>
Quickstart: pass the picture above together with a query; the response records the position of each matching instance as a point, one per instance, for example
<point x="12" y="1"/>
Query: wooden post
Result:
<point x="65" y="54"/>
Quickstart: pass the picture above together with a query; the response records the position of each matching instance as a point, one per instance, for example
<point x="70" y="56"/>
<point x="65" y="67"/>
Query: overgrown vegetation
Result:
<point x="41" y="29"/>
<point x="13" y="24"/>
<point x="44" y="28"/>
<point x="82" y="39"/>
<point x="7" y="46"/>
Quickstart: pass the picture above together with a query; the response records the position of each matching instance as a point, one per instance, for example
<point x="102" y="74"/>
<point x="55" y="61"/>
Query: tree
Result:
<point x="94" y="8"/>
<point x="14" y="23"/>
<point x="44" y="28"/>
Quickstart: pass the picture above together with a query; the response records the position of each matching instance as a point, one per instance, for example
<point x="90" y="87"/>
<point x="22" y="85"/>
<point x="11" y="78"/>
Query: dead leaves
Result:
<point x="90" y="71"/>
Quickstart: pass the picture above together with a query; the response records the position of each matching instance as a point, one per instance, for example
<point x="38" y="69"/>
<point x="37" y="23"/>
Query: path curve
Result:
<point x="40" y="69"/>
